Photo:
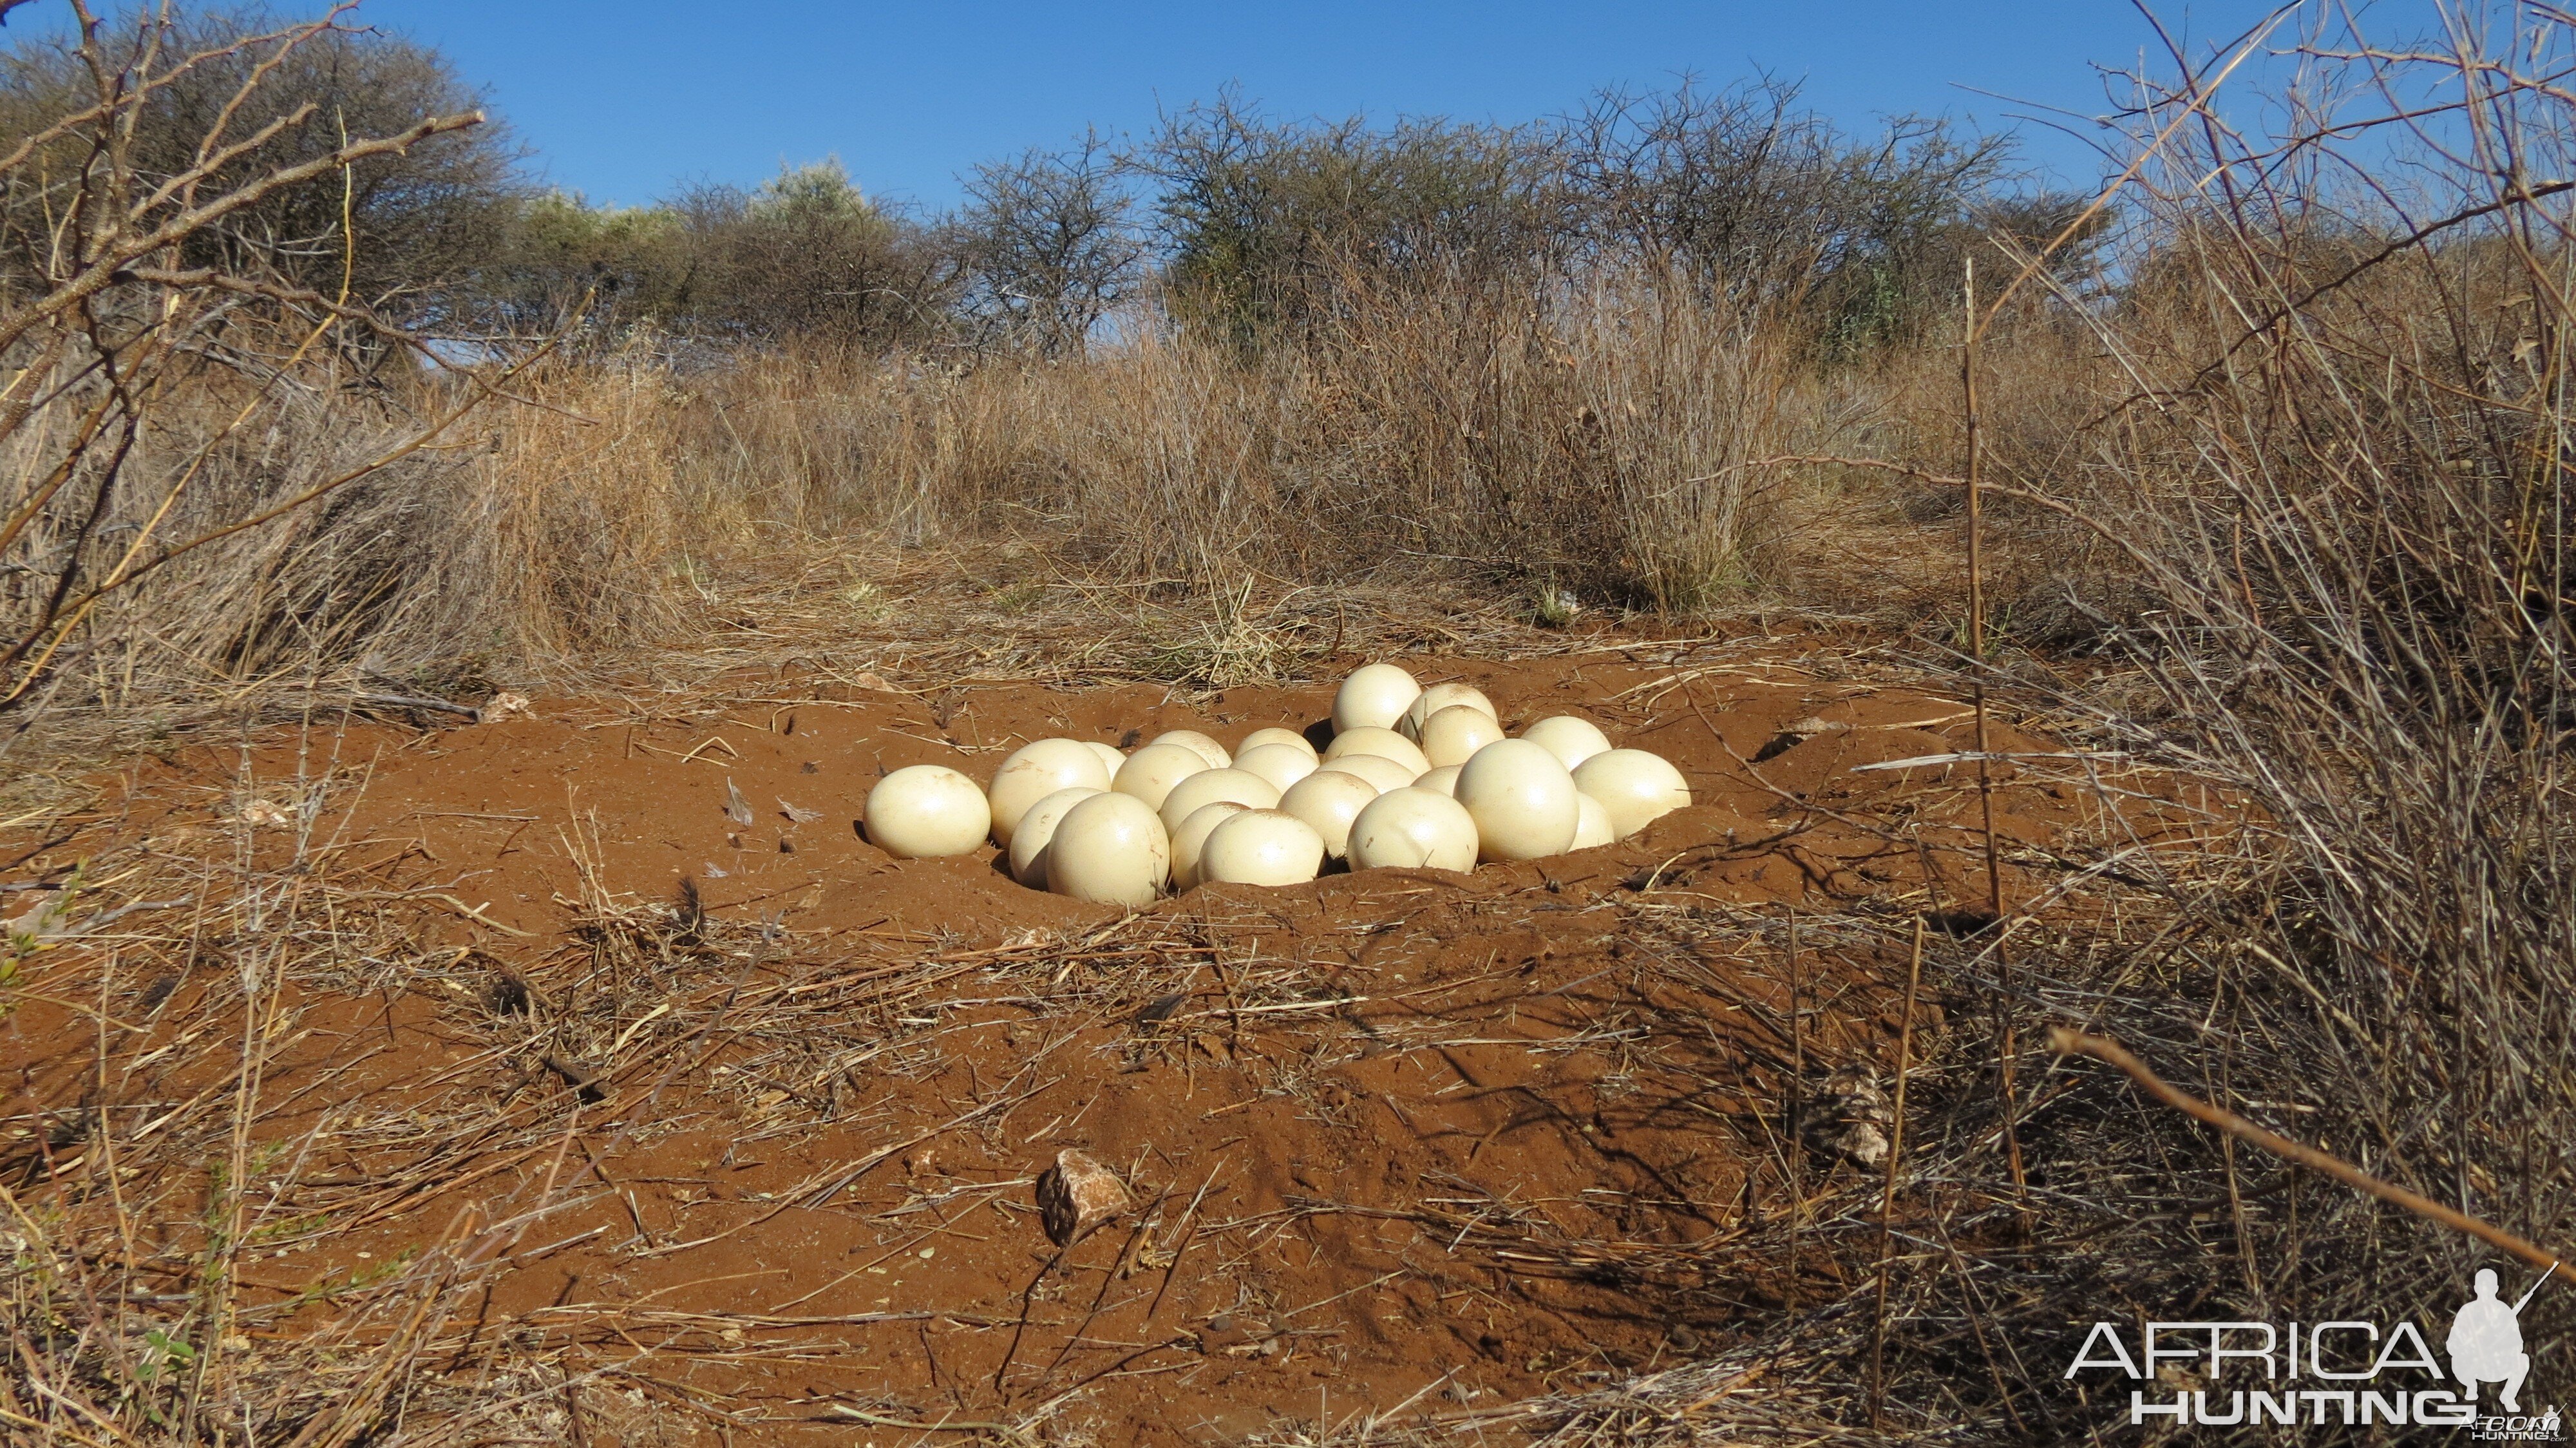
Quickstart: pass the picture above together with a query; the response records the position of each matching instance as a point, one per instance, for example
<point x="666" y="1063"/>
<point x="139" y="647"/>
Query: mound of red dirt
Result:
<point x="745" y="1120"/>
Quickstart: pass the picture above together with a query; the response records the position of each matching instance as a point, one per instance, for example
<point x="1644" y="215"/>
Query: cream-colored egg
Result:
<point x="1208" y="786"/>
<point x="1197" y="743"/>
<point x="1453" y="735"/>
<point x="1262" y="847"/>
<point x="1150" y="772"/>
<point x="1374" y="696"/>
<point x="1033" y="772"/>
<point x="1029" y="841"/>
<point x="1377" y="769"/>
<point x="1523" y="802"/>
<point x="1413" y="828"/>
<point x="1288" y="738"/>
<point x="1437" y="698"/>
<point x="1384" y="743"/>
<point x="1111" y="756"/>
<point x="1592" y="828"/>
<point x="1278" y="763"/>
<point x="1444" y="779"/>
<point x="1109" y="848"/>
<point x="1571" y="740"/>
<point x="926" y="810"/>
<point x="1191" y="838"/>
<point x="1328" y="800"/>
<point x="1636" y="787"/>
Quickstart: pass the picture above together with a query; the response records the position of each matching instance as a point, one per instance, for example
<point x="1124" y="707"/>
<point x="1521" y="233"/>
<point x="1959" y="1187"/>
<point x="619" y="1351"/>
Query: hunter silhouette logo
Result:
<point x="2486" y="1342"/>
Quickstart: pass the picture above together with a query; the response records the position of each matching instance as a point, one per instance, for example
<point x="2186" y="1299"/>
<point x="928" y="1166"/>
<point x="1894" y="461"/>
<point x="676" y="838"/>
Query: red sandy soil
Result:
<point x="1402" y="1142"/>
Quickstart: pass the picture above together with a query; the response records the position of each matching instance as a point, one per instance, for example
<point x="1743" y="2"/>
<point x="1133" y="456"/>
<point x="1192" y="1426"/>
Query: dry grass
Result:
<point x="1608" y="454"/>
<point x="1604" y="436"/>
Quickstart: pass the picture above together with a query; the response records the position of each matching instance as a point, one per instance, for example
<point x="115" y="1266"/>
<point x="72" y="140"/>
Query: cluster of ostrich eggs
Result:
<point x="1412" y="777"/>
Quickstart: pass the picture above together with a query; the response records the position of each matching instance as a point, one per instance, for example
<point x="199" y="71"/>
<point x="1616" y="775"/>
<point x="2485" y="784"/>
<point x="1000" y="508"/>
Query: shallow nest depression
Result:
<point x="500" y="1083"/>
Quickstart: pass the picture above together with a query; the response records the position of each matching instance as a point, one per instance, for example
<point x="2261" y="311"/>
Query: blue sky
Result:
<point x="622" y="99"/>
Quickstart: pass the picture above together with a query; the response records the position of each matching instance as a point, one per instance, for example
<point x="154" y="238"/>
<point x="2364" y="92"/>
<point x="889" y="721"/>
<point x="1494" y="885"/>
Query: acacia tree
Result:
<point x="422" y="224"/>
<point x="1049" y="244"/>
<point x="1743" y="190"/>
<point x="1263" y="221"/>
<point x="601" y="269"/>
<point x="807" y="255"/>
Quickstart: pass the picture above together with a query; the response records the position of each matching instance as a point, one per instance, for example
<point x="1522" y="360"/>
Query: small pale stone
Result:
<point x="1850" y="1117"/>
<point x="265" y="814"/>
<point x="1223" y="1334"/>
<point x="1795" y="735"/>
<point x="47" y="915"/>
<point x="1076" y="1195"/>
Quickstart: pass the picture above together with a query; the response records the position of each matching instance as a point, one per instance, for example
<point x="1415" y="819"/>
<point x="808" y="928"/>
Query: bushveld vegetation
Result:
<point x="306" y="381"/>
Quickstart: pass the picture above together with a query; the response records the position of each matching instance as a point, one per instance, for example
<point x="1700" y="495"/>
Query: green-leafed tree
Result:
<point x="611" y="266"/>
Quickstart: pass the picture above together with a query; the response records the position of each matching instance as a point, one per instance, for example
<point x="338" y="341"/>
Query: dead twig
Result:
<point x="2067" y="1042"/>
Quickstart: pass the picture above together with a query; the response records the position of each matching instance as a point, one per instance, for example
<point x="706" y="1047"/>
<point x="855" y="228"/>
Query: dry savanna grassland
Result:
<point x="448" y="633"/>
